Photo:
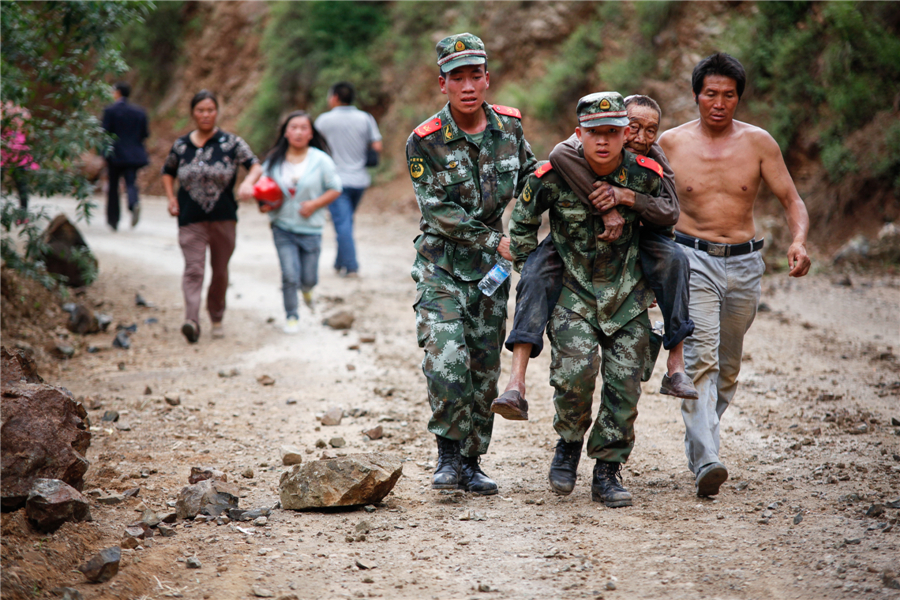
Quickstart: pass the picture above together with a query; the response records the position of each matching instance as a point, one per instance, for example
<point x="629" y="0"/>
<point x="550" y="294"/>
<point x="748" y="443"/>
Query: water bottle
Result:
<point x="659" y="328"/>
<point x="495" y="277"/>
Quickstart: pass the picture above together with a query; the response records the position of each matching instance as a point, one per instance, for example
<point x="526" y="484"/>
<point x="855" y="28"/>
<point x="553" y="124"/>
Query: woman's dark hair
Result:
<point x="719" y="64"/>
<point x="275" y="155"/>
<point x="204" y="95"/>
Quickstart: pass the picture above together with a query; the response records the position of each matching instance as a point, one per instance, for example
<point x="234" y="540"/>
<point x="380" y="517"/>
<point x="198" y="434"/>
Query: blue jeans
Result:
<point x="298" y="254"/>
<point x="663" y="262"/>
<point x="342" y="211"/>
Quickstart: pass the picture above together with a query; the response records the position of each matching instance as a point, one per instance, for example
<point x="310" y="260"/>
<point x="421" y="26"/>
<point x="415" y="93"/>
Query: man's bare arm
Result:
<point x="774" y="172"/>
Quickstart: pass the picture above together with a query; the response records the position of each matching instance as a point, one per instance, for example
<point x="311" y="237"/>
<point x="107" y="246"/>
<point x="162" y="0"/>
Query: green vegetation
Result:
<point x="55" y="59"/>
<point x="152" y="47"/>
<point x="308" y="46"/>
<point x="840" y="58"/>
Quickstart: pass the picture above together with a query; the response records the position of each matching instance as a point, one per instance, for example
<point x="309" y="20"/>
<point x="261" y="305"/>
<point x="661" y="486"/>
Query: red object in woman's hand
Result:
<point x="267" y="192"/>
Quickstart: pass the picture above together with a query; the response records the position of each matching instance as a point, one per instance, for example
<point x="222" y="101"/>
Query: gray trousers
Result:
<point x="723" y="299"/>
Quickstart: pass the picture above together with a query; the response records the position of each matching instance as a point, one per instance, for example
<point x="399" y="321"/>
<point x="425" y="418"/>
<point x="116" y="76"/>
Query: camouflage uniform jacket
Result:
<point x="462" y="190"/>
<point x="603" y="281"/>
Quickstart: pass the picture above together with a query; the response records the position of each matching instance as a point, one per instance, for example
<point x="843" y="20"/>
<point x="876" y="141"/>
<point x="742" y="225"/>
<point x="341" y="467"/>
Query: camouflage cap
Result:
<point x="460" y="50"/>
<point x="602" y="108"/>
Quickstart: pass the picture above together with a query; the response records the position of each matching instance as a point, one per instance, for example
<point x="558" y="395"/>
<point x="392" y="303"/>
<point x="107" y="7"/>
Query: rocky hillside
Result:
<point x="820" y="77"/>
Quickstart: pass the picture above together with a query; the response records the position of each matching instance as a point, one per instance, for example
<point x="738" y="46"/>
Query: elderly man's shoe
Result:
<point x="511" y="405"/>
<point x="678" y="385"/>
<point x="607" y="487"/>
<point x="564" y="468"/>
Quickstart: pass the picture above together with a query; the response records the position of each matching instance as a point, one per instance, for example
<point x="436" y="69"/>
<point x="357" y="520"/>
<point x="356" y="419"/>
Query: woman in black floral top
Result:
<point x="206" y="162"/>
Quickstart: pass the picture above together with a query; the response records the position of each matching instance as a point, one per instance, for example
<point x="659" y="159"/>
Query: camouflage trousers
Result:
<point x="574" y="367"/>
<point x="462" y="332"/>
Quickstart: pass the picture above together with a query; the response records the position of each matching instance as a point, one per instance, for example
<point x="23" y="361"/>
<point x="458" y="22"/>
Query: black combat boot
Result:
<point x="564" y="468"/>
<point x="473" y="479"/>
<point x="607" y="485"/>
<point x="446" y="476"/>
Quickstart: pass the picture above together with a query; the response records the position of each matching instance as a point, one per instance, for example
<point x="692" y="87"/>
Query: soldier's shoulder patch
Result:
<point x="428" y="127"/>
<point x="543" y="169"/>
<point x="508" y="111"/>
<point x="651" y="164"/>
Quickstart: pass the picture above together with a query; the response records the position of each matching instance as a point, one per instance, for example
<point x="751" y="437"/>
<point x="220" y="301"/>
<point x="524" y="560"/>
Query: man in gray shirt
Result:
<point x="348" y="131"/>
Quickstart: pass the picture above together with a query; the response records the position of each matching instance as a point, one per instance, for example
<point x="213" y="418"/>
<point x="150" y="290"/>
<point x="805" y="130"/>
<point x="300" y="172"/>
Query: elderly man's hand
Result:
<point x="614" y="224"/>
<point x="606" y="196"/>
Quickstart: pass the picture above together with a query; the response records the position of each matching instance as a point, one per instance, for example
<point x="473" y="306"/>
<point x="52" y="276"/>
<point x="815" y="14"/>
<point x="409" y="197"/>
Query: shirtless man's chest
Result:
<point x="717" y="182"/>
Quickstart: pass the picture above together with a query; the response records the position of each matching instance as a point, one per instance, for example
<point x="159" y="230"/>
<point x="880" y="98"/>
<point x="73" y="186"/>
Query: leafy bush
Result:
<point x="308" y="46"/>
<point x="55" y="58"/>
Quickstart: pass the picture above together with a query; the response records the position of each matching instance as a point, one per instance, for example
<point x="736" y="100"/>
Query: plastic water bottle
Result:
<point x="659" y="327"/>
<point x="495" y="277"/>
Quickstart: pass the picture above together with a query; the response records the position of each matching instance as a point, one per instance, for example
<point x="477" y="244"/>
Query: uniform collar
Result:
<point x="450" y="131"/>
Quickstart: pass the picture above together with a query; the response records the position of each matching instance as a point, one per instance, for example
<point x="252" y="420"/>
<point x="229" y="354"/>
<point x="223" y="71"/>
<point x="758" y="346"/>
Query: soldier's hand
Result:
<point x="798" y="260"/>
<point x="503" y="248"/>
<point x="614" y="224"/>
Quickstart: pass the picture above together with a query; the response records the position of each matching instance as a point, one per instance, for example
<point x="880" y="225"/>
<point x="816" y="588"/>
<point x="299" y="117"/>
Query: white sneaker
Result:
<point x="292" y="325"/>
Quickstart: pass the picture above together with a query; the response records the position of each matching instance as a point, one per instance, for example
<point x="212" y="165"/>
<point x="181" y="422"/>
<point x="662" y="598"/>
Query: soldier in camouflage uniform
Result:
<point x="604" y="300"/>
<point x="466" y="163"/>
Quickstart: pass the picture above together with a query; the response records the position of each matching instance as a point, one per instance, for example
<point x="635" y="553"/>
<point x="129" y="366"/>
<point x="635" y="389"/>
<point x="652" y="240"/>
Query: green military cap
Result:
<point x="460" y="50"/>
<point x="602" y="108"/>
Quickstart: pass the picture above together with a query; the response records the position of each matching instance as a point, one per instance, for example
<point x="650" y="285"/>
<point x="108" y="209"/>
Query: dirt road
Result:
<point x="808" y="442"/>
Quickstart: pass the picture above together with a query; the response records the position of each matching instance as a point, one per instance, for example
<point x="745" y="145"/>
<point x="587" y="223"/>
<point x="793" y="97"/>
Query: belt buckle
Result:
<point x="716" y="249"/>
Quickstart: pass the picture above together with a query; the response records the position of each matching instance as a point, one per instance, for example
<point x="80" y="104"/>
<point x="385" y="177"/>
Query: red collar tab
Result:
<point x="651" y="164"/>
<point x="428" y="127"/>
<point x="543" y="169"/>
<point x="508" y="111"/>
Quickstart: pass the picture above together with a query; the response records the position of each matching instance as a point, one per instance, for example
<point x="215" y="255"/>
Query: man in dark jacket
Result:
<point x="128" y="124"/>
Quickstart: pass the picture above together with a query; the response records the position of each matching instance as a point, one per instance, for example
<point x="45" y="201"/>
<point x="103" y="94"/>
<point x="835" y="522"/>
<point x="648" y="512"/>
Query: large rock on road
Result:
<point x="348" y="481"/>
<point x="44" y="435"/>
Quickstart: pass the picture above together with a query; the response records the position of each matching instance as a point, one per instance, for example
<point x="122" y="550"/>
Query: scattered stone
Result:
<point x="265" y="380"/>
<point x="471" y="515"/>
<point x="895" y="422"/>
<point x="367" y="339"/>
<point x="290" y="401"/>
<point x="328" y="455"/>
<point x="199" y="474"/>
<point x="67" y="593"/>
<point x="348" y="481"/>
<point x="61" y="350"/>
<point x="262" y="592"/>
<point x="67" y="252"/>
<point x="123" y="426"/>
<point x="111" y="499"/>
<point x="169" y="517"/>
<point x="46" y="432"/>
<point x="193" y="563"/>
<point x="82" y="320"/>
<point x="165" y="530"/>
<point x="150" y="518"/>
<point x="261" y="521"/>
<point x="139" y="531"/>
<point x="876" y="510"/>
<point x="610" y="585"/>
<point x="340" y="320"/>
<point x="365" y="564"/>
<point x="369" y="508"/>
<point x="129" y="543"/>
<point x="740" y="486"/>
<point x="247" y="473"/>
<point x="320" y="443"/>
<point x="172" y="399"/>
<point x="122" y="340"/>
<point x="17" y="366"/>
<point x="104" y="321"/>
<point x="333" y="416"/>
<point x="376" y="433"/>
<point x="485" y="588"/>
<point x="798" y="517"/>
<point x="289" y="597"/>
<point x="103" y="566"/>
<point x="855" y="250"/>
<point x="148" y="391"/>
<point x="52" y="502"/>
<point x="208" y="497"/>
<point x="229" y="373"/>
<point x="363" y="527"/>
<point x="139" y="301"/>
<point x="290" y="455"/>
<point x="337" y="442"/>
<point x="852" y="541"/>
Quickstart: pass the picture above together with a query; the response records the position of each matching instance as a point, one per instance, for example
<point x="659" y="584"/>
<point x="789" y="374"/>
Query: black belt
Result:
<point x="714" y="249"/>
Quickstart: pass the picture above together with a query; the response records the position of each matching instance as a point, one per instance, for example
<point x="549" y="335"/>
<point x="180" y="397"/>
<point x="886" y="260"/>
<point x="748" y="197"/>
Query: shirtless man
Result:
<point x="720" y="164"/>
